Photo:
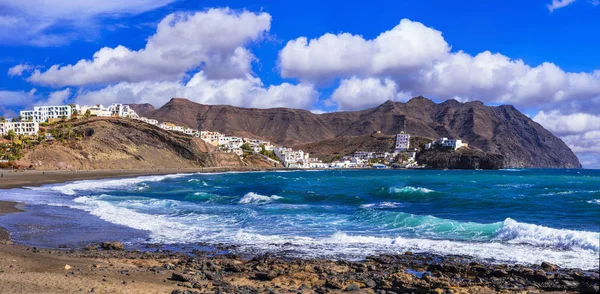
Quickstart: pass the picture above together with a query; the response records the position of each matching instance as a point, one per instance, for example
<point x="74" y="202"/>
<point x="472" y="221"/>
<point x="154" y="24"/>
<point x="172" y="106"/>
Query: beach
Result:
<point x="34" y="178"/>
<point x="104" y="266"/>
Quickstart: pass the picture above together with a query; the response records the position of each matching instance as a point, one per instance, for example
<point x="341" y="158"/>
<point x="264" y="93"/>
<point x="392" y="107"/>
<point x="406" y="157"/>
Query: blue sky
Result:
<point x="540" y="56"/>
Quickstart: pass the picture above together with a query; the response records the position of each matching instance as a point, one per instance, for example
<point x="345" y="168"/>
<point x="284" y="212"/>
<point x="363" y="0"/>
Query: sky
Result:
<point x="540" y="56"/>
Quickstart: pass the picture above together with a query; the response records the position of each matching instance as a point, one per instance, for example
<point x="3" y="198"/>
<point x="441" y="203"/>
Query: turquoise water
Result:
<point x="524" y="216"/>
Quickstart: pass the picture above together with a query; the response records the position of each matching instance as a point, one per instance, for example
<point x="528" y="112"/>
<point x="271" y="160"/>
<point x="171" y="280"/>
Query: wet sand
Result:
<point x="34" y="178"/>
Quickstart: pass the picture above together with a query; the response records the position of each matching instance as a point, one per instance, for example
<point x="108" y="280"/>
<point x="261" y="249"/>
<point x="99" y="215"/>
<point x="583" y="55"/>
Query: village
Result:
<point x="26" y="127"/>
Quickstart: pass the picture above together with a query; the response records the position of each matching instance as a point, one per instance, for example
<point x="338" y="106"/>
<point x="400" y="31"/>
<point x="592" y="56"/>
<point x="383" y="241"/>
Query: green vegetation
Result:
<point x="268" y="153"/>
<point x="246" y="147"/>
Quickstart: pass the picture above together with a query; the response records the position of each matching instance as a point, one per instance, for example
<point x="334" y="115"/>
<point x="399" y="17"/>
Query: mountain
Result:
<point x="503" y="130"/>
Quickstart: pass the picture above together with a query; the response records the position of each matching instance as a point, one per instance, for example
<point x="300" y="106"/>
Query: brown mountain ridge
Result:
<point x="494" y="129"/>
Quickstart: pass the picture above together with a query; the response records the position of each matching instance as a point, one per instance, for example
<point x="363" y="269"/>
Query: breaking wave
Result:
<point x="409" y="189"/>
<point x="253" y="198"/>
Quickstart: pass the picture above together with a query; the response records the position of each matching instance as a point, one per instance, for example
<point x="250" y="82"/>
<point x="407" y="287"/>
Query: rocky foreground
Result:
<point x="205" y="272"/>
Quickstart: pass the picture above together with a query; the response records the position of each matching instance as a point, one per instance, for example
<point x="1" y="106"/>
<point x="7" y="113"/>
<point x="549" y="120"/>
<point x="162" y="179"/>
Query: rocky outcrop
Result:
<point x="461" y="159"/>
<point x="497" y="130"/>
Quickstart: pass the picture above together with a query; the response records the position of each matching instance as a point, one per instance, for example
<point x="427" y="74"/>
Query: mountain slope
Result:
<point x="502" y="129"/>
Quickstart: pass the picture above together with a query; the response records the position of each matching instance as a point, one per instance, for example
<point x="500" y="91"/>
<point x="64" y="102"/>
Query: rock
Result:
<point x="570" y="284"/>
<point x="180" y="277"/>
<point x="334" y="284"/>
<point x="549" y="267"/>
<point x="352" y="287"/>
<point x="540" y="276"/>
<point x="266" y="276"/>
<point x="112" y="246"/>
<point x="90" y="247"/>
<point x="68" y="267"/>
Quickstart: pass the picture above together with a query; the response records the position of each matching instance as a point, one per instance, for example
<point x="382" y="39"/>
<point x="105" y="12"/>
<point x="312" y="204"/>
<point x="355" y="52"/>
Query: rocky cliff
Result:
<point x="497" y="130"/>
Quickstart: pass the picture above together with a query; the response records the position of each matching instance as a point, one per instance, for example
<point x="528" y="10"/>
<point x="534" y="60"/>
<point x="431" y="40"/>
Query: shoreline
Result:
<point x="36" y="178"/>
<point x="7" y="207"/>
<point x="106" y="267"/>
<point x="101" y="268"/>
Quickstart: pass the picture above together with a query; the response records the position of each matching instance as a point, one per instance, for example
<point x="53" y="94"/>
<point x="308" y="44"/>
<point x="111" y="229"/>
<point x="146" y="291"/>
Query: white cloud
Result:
<point x="56" y="98"/>
<point x="580" y="131"/>
<point x="16" y="98"/>
<point x="408" y="46"/>
<point x="568" y="124"/>
<point x="420" y="62"/>
<point x="355" y="93"/>
<point x="55" y="22"/>
<point x="19" y="69"/>
<point x="246" y="92"/>
<point x="183" y="42"/>
<point x="557" y="4"/>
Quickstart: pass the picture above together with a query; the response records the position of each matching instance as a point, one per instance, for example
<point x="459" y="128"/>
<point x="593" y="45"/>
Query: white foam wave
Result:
<point x="594" y="201"/>
<point x="522" y="185"/>
<point x="357" y="247"/>
<point x="383" y="205"/>
<point x="410" y="189"/>
<point x="91" y="185"/>
<point x="253" y="198"/>
<point x="523" y="233"/>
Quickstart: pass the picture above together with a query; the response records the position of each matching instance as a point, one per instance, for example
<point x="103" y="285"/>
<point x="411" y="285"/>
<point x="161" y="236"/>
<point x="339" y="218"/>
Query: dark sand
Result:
<point x="34" y="178"/>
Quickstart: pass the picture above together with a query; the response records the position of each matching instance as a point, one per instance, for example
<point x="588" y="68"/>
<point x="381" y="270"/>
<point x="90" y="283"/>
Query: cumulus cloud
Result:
<point x="407" y="47"/>
<point x="557" y="4"/>
<point x="182" y="42"/>
<point x="355" y="93"/>
<point x="17" y="98"/>
<point x="247" y="92"/>
<point x="19" y="69"/>
<point x="580" y="131"/>
<point x="55" y="22"/>
<point x="420" y="62"/>
<point x="56" y="98"/>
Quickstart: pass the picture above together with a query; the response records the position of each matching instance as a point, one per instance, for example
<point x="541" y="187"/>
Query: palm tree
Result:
<point x="11" y="136"/>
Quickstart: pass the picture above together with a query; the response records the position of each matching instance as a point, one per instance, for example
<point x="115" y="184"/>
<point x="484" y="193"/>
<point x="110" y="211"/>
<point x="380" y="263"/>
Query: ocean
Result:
<point x="508" y="216"/>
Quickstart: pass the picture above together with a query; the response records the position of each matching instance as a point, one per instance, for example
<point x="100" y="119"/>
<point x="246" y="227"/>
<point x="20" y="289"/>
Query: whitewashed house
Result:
<point x="43" y="113"/>
<point x="20" y="128"/>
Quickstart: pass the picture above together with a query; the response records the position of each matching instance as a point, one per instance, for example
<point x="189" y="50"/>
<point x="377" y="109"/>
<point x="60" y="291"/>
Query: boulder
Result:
<point x="112" y="246"/>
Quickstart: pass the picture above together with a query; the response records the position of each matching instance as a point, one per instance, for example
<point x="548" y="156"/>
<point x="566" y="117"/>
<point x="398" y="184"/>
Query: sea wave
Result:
<point x="409" y="189"/>
<point x="253" y="198"/>
<point x="341" y="244"/>
<point x="594" y="201"/>
<point x="524" y="233"/>
<point x="383" y="205"/>
<point x="91" y="185"/>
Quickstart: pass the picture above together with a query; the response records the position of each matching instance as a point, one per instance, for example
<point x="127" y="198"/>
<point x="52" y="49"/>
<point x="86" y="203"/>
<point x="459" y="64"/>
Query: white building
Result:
<point x="402" y="142"/>
<point x="43" y="113"/>
<point x="95" y="110"/>
<point x="210" y="137"/>
<point x="20" y="128"/>
<point x="122" y="110"/>
<point x="446" y="143"/>
<point x="291" y="158"/>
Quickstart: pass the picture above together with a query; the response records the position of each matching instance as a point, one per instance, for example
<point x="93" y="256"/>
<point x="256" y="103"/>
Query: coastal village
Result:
<point x="27" y="127"/>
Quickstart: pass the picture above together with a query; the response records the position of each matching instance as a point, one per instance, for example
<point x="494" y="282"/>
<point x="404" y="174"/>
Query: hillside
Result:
<point x="113" y="143"/>
<point x="327" y="149"/>
<point x="495" y="130"/>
